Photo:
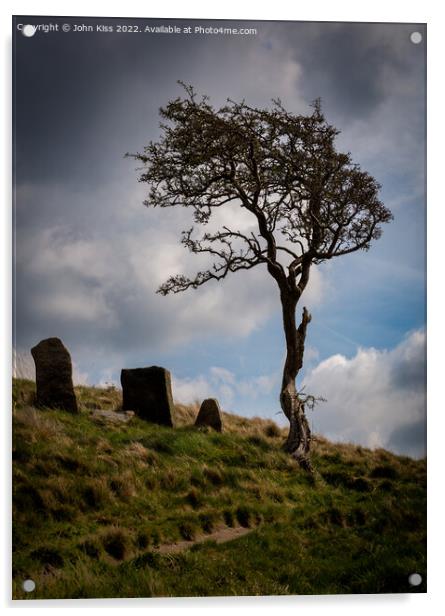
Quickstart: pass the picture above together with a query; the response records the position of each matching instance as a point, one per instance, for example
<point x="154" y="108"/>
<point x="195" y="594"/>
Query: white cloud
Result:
<point x="105" y="280"/>
<point x="77" y="304"/>
<point x="257" y="386"/>
<point x="222" y="374"/>
<point x="376" y="398"/>
<point x="224" y="385"/>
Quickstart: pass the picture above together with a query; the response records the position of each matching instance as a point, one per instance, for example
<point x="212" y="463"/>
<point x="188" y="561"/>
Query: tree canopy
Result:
<point x="311" y="202"/>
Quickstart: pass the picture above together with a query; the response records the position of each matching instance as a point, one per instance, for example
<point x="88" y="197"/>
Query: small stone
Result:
<point x="54" y="375"/>
<point x="147" y="392"/>
<point x="110" y="416"/>
<point x="210" y="415"/>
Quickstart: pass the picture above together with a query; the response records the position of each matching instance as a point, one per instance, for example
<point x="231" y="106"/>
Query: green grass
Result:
<point x="92" y="502"/>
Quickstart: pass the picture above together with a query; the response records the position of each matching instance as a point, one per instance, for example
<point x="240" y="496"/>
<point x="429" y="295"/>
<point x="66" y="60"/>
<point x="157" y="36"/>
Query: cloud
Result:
<point x="223" y="375"/>
<point x="255" y="69"/>
<point x="371" y="80"/>
<point x="226" y="386"/>
<point x="23" y="367"/>
<point x="376" y="398"/>
<point x="356" y="66"/>
<point x="95" y="285"/>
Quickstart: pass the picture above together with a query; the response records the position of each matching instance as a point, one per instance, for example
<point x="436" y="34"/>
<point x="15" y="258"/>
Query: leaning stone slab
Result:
<point x="210" y="415"/>
<point x="54" y="375"/>
<point x="113" y="417"/>
<point x="147" y="391"/>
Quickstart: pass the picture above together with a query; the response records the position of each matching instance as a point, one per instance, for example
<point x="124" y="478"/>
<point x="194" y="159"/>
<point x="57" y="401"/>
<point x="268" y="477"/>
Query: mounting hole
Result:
<point x="28" y="30"/>
<point x="28" y="585"/>
<point x="415" y="38"/>
<point x="415" y="579"/>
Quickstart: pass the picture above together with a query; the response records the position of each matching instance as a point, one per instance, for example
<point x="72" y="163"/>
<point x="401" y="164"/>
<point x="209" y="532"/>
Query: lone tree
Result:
<point x="308" y="201"/>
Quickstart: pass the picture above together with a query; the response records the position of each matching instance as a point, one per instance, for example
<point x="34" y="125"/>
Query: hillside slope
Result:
<point x="95" y="503"/>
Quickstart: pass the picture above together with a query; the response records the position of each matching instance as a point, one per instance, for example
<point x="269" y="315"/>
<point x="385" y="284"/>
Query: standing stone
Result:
<point x="210" y="415"/>
<point x="54" y="375"/>
<point x="147" y="391"/>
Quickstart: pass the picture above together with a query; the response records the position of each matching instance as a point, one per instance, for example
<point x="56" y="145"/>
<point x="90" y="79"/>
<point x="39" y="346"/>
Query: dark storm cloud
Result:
<point x="356" y="67"/>
<point x="410" y="373"/>
<point x="83" y="99"/>
<point x="71" y="95"/>
<point x="410" y="439"/>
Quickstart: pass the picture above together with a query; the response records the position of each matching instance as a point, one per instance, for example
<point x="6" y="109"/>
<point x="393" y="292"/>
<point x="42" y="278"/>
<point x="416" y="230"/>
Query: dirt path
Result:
<point x="221" y="535"/>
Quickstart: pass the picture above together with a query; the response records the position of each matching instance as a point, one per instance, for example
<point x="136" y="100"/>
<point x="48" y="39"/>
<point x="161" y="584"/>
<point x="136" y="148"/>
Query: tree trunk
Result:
<point x="299" y="438"/>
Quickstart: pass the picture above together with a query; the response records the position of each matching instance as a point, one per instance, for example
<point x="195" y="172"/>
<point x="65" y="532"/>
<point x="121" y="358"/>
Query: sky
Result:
<point x="89" y="256"/>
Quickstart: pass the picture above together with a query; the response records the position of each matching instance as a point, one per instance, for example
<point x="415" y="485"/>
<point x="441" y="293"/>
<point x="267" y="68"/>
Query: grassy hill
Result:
<point x="95" y="504"/>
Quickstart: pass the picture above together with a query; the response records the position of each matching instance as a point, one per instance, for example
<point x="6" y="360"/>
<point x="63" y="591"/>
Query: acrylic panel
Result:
<point x="219" y="345"/>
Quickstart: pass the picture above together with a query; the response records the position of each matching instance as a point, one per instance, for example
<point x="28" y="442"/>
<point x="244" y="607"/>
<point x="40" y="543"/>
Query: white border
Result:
<point x="322" y="10"/>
